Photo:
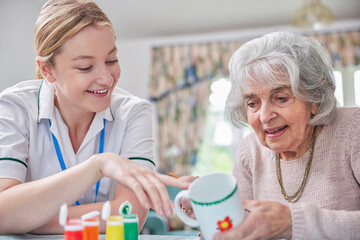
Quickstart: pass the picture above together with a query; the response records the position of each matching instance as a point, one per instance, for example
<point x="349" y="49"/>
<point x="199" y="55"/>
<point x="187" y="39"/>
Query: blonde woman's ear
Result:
<point x="46" y="70"/>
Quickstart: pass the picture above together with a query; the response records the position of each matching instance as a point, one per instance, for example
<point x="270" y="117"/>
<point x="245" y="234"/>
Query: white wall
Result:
<point x="17" y="52"/>
<point x="134" y="58"/>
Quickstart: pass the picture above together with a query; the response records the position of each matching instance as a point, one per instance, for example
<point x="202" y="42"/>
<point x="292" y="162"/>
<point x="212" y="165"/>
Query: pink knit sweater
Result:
<point x="329" y="207"/>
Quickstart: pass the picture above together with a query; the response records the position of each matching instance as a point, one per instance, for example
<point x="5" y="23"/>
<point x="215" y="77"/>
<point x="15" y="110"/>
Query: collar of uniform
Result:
<point x="45" y="100"/>
<point x="46" y="104"/>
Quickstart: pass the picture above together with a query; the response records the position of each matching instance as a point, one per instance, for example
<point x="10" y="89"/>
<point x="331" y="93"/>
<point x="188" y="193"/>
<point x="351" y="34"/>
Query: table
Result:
<point x="102" y="237"/>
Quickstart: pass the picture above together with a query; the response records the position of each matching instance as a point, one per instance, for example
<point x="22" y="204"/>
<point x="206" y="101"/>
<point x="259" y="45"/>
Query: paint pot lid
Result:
<point x="125" y="208"/>
<point x="105" y="211"/>
<point x="91" y="216"/>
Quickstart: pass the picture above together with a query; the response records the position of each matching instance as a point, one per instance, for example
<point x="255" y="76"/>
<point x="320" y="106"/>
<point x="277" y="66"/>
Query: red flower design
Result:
<point x="224" y="224"/>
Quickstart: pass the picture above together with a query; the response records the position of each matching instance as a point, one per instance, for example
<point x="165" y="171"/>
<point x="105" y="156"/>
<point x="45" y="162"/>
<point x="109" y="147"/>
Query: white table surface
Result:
<point x="102" y="237"/>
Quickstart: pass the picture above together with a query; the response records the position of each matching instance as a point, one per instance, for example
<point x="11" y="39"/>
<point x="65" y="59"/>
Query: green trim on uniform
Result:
<point x="39" y="96"/>
<point x="112" y="114"/>
<point x="141" y="158"/>
<point x="16" y="160"/>
<point x="215" y="202"/>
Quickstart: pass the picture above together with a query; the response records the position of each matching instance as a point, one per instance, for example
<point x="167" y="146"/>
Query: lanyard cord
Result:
<point x="62" y="163"/>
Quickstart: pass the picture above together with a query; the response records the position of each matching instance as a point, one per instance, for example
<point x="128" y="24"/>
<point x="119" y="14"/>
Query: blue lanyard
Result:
<point x="61" y="160"/>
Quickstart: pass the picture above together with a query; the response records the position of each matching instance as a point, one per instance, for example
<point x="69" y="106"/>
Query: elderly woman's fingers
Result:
<point x="185" y="203"/>
<point x="186" y="207"/>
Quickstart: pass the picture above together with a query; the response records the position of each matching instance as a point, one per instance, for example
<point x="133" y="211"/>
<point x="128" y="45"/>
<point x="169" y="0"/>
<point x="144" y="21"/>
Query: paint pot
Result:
<point x="115" y="228"/>
<point x="131" y="227"/>
<point x="73" y="230"/>
<point x="90" y="222"/>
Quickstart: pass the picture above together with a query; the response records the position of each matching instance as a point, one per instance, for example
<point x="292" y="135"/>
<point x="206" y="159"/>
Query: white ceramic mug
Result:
<point x="216" y="202"/>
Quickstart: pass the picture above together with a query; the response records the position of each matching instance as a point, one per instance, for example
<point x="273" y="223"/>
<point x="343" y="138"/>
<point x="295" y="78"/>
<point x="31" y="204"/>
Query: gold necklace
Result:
<point x="293" y="198"/>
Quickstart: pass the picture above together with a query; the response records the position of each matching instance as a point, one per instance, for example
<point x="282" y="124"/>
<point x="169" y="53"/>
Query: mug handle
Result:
<point x="187" y="220"/>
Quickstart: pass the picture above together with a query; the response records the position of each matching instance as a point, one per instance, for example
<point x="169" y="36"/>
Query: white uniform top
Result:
<point x="27" y="151"/>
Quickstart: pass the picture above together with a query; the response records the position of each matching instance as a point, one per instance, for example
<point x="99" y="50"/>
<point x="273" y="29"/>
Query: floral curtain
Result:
<point x="344" y="47"/>
<point x="180" y="88"/>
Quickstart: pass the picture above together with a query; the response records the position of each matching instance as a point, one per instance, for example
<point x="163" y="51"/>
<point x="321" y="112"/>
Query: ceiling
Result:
<point x="154" y="18"/>
<point x="134" y="19"/>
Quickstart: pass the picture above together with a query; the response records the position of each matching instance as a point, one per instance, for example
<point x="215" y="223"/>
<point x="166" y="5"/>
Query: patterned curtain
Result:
<point x="180" y="88"/>
<point x="344" y="47"/>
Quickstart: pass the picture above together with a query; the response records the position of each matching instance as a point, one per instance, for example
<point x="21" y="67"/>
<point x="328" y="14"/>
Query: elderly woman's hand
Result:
<point x="185" y="204"/>
<point x="266" y="220"/>
<point x="186" y="207"/>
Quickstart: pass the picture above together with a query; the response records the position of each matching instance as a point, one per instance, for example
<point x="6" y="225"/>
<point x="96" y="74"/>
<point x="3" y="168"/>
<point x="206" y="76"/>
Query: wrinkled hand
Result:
<point x="185" y="203"/>
<point x="185" y="206"/>
<point x="148" y="186"/>
<point x="266" y="220"/>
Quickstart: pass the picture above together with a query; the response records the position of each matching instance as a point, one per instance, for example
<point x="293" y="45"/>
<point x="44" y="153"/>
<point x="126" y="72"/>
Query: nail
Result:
<point x="169" y="212"/>
<point x="161" y="213"/>
<point x="146" y="205"/>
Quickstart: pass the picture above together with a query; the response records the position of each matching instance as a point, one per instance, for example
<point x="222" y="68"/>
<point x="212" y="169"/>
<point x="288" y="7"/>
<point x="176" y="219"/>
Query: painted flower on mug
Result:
<point x="224" y="224"/>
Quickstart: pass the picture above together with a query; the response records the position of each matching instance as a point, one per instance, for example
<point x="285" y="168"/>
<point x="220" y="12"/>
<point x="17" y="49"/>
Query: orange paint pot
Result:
<point x="91" y="229"/>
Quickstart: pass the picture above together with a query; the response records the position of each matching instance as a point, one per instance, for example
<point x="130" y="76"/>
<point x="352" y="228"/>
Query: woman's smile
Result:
<point x="99" y="93"/>
<point x="275" y="132"/>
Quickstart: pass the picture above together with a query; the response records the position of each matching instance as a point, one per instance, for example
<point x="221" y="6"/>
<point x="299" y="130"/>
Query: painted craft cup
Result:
<point x="216" y="202"/>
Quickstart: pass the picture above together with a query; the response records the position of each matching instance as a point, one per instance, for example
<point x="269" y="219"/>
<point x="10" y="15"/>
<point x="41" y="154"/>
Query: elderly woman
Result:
<point x="299" y="172"/>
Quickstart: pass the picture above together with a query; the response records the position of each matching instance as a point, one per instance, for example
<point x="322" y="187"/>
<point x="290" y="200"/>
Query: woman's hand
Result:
<point x="185" y="206"/>
<point x="188" y="179"/>
<point x="185" y="203"/>
<point x="148" y="186"/>
<point x="266" y="220"/>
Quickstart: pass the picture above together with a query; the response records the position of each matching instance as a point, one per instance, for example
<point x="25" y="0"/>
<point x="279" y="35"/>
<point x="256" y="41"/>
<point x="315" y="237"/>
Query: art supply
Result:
<point x="115" y="228"/>
<point x="173" y="175"/>
<point x="131" y="227"/>
<point x="73" y="228"/>
<point x="90" y="222"/>
<point x="114" y="224"/>
<point x="131" y="221"/>
<point x="216" y="202"/>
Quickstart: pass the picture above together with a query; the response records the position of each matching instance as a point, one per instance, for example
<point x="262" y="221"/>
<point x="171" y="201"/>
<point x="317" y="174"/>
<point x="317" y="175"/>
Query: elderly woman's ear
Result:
<point x="314" y="108"/>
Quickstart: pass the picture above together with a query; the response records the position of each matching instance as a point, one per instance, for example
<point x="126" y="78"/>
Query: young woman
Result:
<point x="73" y="136"/>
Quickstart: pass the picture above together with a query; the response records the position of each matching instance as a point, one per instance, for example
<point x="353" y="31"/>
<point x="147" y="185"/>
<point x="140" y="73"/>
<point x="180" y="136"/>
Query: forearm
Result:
<point x="75" y="212"/>
<point x="122" y="194"/>
<point x="44" y="197"/>
<point x="27" y="206"/>
<point x="312" y="222"/>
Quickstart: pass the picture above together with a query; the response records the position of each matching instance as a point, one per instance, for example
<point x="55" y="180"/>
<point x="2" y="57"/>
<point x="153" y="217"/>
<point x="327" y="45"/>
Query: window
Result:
<point x="215" y="153"/>
<point x="347" y="81"/>
<point x="357" y="87"/>
<point x="339" y="88"/>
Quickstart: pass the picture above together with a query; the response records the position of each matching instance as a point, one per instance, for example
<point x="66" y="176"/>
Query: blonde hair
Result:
<point x="58" y="21"/>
